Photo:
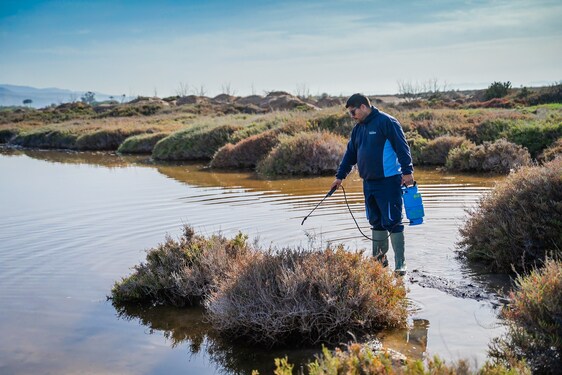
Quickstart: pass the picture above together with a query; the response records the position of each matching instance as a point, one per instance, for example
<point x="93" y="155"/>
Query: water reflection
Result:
<point x="188" y="327"/>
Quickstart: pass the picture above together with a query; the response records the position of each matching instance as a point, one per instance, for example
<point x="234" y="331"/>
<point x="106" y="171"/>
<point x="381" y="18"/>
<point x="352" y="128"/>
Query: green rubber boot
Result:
<point x="380" y="246"/>
<point x="397" y="240"/>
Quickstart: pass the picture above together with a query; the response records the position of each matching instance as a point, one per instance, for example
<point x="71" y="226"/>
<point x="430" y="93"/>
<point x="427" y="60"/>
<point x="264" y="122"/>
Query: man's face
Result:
<point x="359" y="113"/>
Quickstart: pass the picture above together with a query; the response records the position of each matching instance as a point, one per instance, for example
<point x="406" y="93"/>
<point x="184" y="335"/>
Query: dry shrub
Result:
<point x="361" y="359"/>
<point x="307" y="153"/>
<point x="337" y="123"/>
<point x="140" y="144"/>
<point x="416" y="143"/>
<point x="182" y="272"/>
<point x="551" y="152"/>
<point x="105" y="139"/>
<point x="435" y="151"/>
<point x="306" y="297"/>
<point x="198" y="143"/>
<point x="246" y="153"/>
<point x="534" y="321"/>
<point x="519" y="223"/>
<point x="497" y="157"/>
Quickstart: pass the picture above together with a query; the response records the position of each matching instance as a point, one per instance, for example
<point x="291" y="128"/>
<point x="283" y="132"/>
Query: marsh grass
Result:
<point x="306" y="153"/>
<point x="358" y="358"/>
<point x="519" y="223"/>
<point x="534" y="321"/>
<point x="500" y="156"/>
<point x="196" y="143"/>
<point x="306" y="297"/>
<point x="47" y="138"/>
<point x="104" y="139"/>
<point x="141" y="144"/>
<point x="247" y="153"/>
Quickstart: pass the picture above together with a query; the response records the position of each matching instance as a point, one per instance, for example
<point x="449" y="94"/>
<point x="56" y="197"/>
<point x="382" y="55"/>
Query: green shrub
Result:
<point x="519" y="222"/>
<point x="199" y="143"/>
<point x="435" y="151"/>
<point x="307" y="153"/>
<point x="46" y="138"/>
<point x="497" y="157"/>
<point x="140" y="144"/>
<point x="416" y="143"/>
<point x="497" y="90"/>
<point x="305" y="297"/>
<point x="246" y="153"/>
<point x="551" y="152"/>
<point x="361" y="359"/>
<point x="7" y="134"/>
<point x="535" y="136"/>
<point x="490" y="130"/>
<point x="340" y="123"/>
<point x="181" y="273"/>
<point x="104" y="139"/>
<point x="250" y="130"/>
<point x="534" y="321"/>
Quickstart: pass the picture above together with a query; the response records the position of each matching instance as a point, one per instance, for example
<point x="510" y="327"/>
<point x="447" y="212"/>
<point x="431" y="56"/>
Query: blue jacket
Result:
<point x="378" y="147"/>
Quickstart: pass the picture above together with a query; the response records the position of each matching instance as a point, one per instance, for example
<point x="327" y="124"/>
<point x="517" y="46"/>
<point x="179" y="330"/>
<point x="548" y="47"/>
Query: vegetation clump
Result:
<point x="247" y="153"/>
<point x="533" y="319"/>
<point x="46" y="138"/>
<point x="306" y="153"/>
<point x="551" y="152"/>
<point x="436" y="150"/>
<point x="7" y="134"/>
<point x="358" y="358"/>
<point x="500" y="156"/>
<point x="306" y="297"/>
<point x="196" y="143"/>
<point x="141" y="143"/>
<point x="104" y="139"/>
<point x="519" y="223"/>
<point x="182" y="272"/>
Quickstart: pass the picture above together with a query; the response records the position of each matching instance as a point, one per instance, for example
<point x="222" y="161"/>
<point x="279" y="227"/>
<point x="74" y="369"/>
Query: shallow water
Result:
<point x="72" y="224"/>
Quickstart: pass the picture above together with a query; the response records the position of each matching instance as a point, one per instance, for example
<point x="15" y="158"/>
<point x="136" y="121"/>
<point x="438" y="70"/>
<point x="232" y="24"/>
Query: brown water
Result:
<point x="71" y="224"/>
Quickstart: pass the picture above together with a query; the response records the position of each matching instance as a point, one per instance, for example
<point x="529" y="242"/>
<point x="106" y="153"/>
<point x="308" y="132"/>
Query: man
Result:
<point x="379" y="148"/>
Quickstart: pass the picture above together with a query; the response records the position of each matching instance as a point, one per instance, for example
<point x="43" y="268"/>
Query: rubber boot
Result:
<point x="397" y="240"/>
<point x="380" y="246"/>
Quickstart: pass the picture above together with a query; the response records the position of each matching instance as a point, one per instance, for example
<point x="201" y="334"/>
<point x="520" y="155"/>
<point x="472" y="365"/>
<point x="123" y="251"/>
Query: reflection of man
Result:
<point x="379" y="148"/>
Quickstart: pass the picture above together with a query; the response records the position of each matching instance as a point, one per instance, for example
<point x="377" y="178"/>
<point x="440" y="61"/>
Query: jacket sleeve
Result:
<point x="400" y="145"/>
<point x="349" y="158"/>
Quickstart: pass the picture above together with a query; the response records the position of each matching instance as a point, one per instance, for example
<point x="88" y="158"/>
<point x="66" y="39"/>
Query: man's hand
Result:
<point x="336" y="184"/>
<point x="408" y="179"/>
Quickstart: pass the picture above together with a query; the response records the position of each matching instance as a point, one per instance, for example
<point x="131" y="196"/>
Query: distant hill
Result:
<point x="13" y="95"/>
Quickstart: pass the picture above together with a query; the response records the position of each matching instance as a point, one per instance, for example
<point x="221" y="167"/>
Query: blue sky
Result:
<point x="334" y="46"/>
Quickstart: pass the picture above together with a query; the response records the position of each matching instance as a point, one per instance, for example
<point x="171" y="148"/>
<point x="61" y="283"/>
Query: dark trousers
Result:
<point x="383" y="203"/>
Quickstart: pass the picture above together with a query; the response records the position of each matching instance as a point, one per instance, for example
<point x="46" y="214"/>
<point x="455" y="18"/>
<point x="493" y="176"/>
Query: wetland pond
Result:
<point x="72" y="224"/>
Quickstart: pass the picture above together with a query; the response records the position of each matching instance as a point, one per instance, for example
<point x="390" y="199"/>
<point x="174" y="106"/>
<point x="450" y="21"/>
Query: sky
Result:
<point x="164" y="48"/>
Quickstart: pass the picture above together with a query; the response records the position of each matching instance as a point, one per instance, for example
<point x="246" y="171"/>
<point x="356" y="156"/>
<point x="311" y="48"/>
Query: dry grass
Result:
<point x="519" y="223"/>
<point x="297" y="296"/>
<point x="534" y="321"/>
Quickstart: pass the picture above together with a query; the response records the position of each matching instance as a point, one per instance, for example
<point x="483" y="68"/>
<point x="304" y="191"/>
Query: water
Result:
<point x="71" y="224"/>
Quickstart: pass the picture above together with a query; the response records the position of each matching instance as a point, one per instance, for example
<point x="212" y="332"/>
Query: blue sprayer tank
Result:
<point x="413" y="204"/>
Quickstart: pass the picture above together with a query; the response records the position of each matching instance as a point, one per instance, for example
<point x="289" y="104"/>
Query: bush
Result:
<point x="104" y="139"/>
<point x="519" y="222"/>
<point x="340" y="123"/>
<point x="246" y="153"/>
<point x="497" y="157"/>
<point x="311" y="153"/>
<point x="435" y="151"/>
<point x="306" y="297"/>
<point x="551" y="152"/>
<point x="181" y="273"/>
<point x="46" y="138"/>
<point x="198" y="143"/>
<point x="533" y="319"/>
<point x="141" y="144"/>
<point x="361" y="359"/>
<point x="535" y="136"/>
<point x="490" y="130"/>
<point x="6" y="135"/>
<point x="497" y="90"/>
<point x="416" y="143"/>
